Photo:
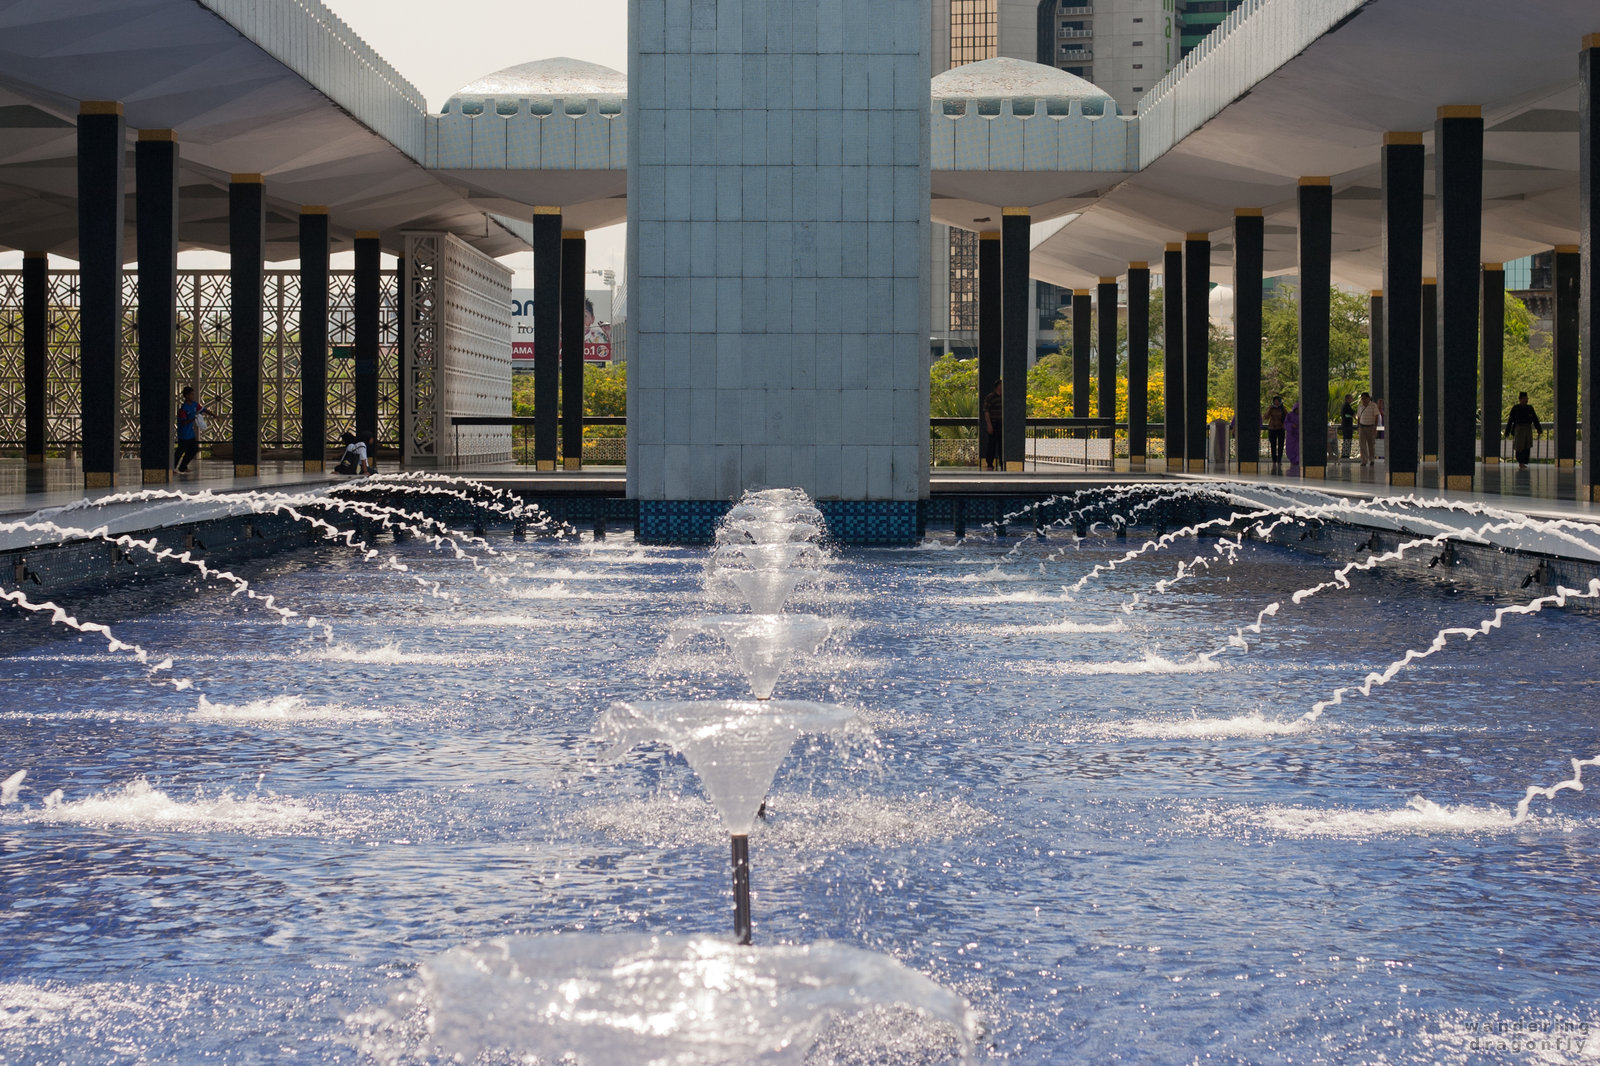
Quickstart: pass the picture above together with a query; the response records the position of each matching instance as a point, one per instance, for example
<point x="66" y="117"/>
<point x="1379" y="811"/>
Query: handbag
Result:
<point x="199" y="423"/>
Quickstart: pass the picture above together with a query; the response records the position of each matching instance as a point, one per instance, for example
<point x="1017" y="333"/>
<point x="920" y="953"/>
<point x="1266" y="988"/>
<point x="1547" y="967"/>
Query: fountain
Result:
<point x="1209" y="771"/>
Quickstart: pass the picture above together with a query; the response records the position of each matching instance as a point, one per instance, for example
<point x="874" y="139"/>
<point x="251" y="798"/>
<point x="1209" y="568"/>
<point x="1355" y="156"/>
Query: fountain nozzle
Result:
<point x="741" y="887"/>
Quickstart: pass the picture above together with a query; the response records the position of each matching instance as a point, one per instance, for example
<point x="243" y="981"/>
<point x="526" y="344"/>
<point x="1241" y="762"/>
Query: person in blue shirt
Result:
<point x="189" y="412"/>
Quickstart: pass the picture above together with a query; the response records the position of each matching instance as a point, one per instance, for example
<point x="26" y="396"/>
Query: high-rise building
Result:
<point x="1199" y="17"/>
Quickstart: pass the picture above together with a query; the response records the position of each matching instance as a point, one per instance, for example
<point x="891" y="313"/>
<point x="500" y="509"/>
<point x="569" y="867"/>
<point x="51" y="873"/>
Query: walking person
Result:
<point x="191" y="420"/>
<point x="993" y="414"/>
<point x="1274" y="418"/>
<point x="1347" y="422"/>
<point x="1367" y="417"/>
<point x="1521" y="426"/>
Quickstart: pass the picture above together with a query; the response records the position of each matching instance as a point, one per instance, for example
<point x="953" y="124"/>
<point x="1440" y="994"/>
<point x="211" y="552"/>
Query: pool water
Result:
<point x="1117" y="849"/>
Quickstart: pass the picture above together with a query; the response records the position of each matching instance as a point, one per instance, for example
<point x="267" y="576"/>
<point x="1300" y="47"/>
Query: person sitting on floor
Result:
<point x="356" y="458"/>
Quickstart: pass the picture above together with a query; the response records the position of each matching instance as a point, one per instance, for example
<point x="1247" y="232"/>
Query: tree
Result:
<point x="1349" y="362"/>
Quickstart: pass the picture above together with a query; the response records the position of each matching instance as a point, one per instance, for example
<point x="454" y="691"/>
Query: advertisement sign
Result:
<point x="596" y="327"/>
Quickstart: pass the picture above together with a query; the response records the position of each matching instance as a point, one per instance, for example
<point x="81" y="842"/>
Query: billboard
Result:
<point x="596" y="327"/>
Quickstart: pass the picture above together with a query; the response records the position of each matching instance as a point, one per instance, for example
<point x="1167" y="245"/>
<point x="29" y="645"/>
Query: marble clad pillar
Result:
<point x="797" y="134"/>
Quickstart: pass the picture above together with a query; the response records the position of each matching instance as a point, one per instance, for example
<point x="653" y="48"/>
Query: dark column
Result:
<point x="546" y="333"/>
<point x="101" y="182"/>
<point x="1402" y="305"/>
<point x="247" y="222"/>
<point x="1106" y="342"/>
<point x="1082" y="331"/>
<point x="1568" y="329"/>
<point x="35" y="352"/>
<point x="989" y="332"/>
<point x="1492" y="334"/>
<point x="1196" y="346"/>
<point x="1316" y="277"/>
<point x="1375" y="357"/>
<point x="1589" y="245"/>
<point x="573" y="266"/>
<point x="1430" y="370"/>
<point x="314" y="338"/>
<point x="400" y="356"/>
<point x="1138" y="361"/>
<point x="156" y="187"/>
<point x="1458" y="243"/>
<point x="1249" y="249"/>
<point x="1172" y="384"/>
<point x="368" y="298"/>
<point x="1014" y="249"/>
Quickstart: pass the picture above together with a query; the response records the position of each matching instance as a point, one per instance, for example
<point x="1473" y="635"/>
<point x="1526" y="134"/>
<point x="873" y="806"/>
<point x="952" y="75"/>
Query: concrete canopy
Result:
<point x="238" y="106"/>
<point x="1309" y="89"/>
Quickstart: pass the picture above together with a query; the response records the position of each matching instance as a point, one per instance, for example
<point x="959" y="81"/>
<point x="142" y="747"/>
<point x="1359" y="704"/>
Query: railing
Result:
<point x="1050" y="442"/>
<point x="1095" y="443"/>
<point x="605" y="447"/>
<point x="1075" y="33"/>
<point x="1068" y="54"/>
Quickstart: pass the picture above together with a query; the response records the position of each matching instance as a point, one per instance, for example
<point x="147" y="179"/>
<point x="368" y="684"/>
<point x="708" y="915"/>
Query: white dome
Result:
<point x="993" y="80"/>
<point x="561" y="78"/>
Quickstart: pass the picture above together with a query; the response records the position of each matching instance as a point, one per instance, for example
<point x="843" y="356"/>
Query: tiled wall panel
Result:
<point x="778" y="200"/>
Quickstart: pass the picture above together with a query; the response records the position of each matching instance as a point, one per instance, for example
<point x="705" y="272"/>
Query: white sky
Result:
<point x="439" y="47"/>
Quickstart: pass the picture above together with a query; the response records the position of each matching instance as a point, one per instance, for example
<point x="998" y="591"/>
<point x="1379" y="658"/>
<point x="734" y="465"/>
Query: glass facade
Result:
<point x="973" y="30"/>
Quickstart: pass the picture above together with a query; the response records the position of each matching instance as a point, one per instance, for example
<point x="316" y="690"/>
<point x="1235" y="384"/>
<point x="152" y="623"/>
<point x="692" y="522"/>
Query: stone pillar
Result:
<point x="35" y="354"/>
<point x="573" y="266"/>
<point x="368" y="298"/>
<point x="1196" y="346"/>
<point x="1458" y="243"/>
<point x="1568" y="280"/>
<point x="1082" y="332"/>
<point x="1377" y="371"/>
<point x="1402" y="165"/>
<point x="156" y="186"/>
<point x="1015" y="245"/>
<point x="101" y="185"/>
<point x="401" y="356"/>
<point x="1430" y="370"/>
<point x="1106" y="343"/>
<point x="1589" y="243"/>
<point x="1138" y="361"/>
<point x="1316" y="277"/>
<point x="156" y="165"/>
<point x="546" y="333"/>
<point x="1172" y="384"/>
<point x="247" y="240"/>
<point x="989" y="332"/>
<point x="1492" y="334"/>
<point x="314" y="338"/>
<point x="1249" y="250"/>
<point x="808" y="352"/>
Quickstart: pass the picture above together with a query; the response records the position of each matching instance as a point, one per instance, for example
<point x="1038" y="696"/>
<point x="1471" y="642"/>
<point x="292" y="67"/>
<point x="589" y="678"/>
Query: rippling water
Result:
<point x="1116" y="849"/>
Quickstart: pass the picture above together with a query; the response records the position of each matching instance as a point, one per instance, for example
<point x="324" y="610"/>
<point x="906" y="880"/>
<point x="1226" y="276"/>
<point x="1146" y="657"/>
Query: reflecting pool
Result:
<point x="1085" y="812"/>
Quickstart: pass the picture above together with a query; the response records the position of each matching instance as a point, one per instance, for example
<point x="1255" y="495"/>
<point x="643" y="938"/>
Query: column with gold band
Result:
<point x="1316" y="280"/>
<point x="573" y="267"/>
<point x="1196" y="346"/>
<point x="368" y="328"/>
<point x="313" y="338"/>
<point x="1402" y="164"/>
<point x="1138" y="362"/>
<point x="1589" y="239"/>
<point x="1172" y="368"/>
<point x="101" y="184"/>
<point x="1249" y="251"/>
<point x="546" y="333"/>
<point x="247" y="241"/>
<point x="1568" y="284"/>
<point x="1082" y="346"/>
<point x="1015" y="246"/>
<point x="1491" y="360"/>
<point x="1458" y="242"/>
<point x="990" y="312"/>
<point x="156" y="187"/>
<point x="35" y="354"/>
